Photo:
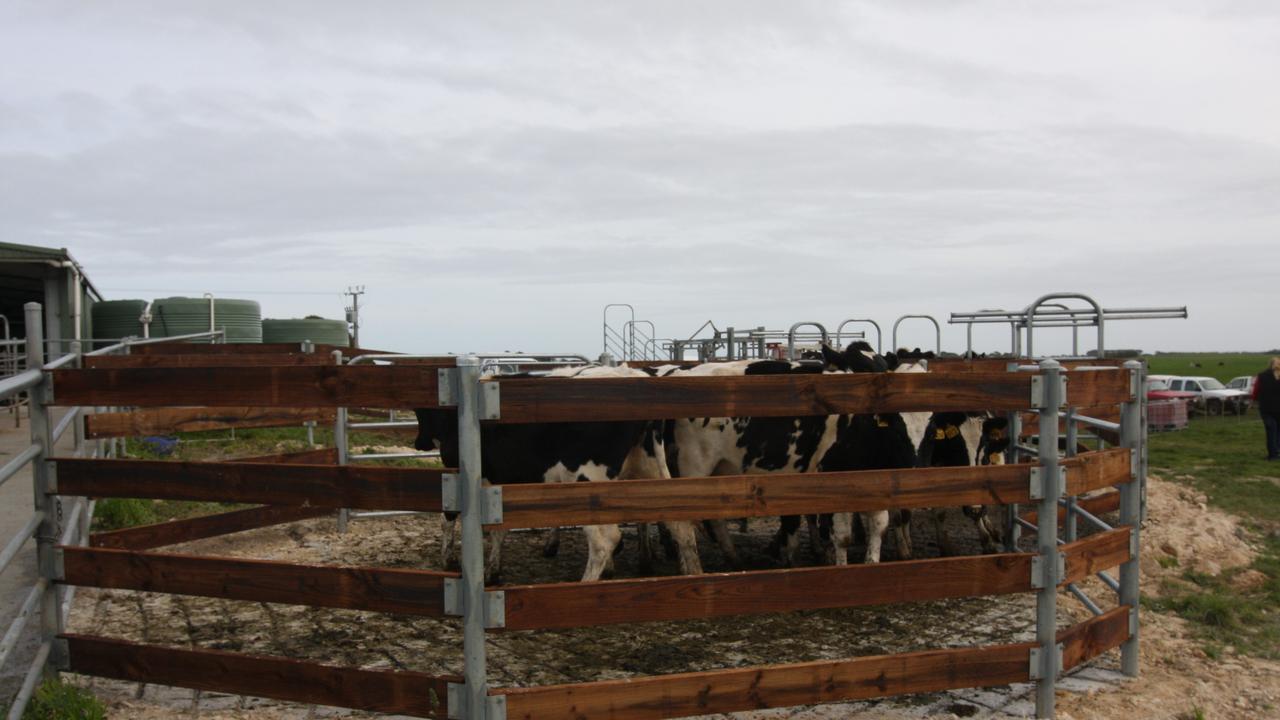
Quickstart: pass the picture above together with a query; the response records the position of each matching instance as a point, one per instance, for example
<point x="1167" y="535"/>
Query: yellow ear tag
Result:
<point x="881" y="423"/>
<point x="997" y="435"/>
<point x="952" y="431"/>
<point x="939" y="434"/>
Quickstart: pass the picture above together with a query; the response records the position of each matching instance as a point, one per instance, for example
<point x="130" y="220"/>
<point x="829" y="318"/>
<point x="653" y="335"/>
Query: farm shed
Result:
<point x="53" y="278"/>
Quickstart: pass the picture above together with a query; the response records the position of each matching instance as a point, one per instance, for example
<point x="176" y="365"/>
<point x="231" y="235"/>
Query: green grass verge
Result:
<point x="1222" y="366"/>
<point x="1223" y="457"/>
<point x="55" y="700"/>
<point x="117" y="513"/>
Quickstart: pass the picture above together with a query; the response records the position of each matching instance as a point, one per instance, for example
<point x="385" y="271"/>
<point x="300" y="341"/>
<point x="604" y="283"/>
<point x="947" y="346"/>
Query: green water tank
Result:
<point x="115" y="319"/>
<point x="318" y="330"/>
<point x="175" y="316"/>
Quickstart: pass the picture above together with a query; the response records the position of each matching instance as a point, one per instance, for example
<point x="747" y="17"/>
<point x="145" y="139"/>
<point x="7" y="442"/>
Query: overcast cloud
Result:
<point x="495" y="173"/>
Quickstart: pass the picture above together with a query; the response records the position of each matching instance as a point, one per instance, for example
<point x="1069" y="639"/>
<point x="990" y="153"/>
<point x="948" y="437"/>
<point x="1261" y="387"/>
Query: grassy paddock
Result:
<point x="215" y="445"/>
<point x="1222" y="366"/>
<point x="1223" y="457"/>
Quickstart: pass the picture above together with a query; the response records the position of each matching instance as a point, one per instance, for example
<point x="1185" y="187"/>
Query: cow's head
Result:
<point x="858" y="357"/>
<point x="438" y="430"/>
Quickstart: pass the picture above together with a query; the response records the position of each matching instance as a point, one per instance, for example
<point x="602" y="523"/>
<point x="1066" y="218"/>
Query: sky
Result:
<point x="494" y="173"/>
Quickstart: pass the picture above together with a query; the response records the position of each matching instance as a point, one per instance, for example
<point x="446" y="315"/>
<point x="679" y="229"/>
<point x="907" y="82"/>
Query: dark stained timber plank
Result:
<point x="1098" y="552"/>
<point x="163" y="421"/>
<point x="1098" y="387"/>
<point x="206" y="360"/>
<point x="398" y="692"/>
<point x="321" y="456"/>
<point x="410" y="592"/>
<point x="321" y="486"/>
<point x="180" y="531"/>
<point x="732" y="496"/>
<point x="565" y="605"/>
<point x="1084" y="641"/>
<point x="772" y="686"/>
<point x="1096" y="470"/>
<point x="527" y="400"/>
<point x="385" y="386"/>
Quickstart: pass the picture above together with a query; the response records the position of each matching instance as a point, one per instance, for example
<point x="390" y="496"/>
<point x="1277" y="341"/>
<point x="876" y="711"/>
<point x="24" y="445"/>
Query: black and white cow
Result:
<point x="951" y="439"/>
<point x="561" y="452"/>
<point x="699" y="447"/>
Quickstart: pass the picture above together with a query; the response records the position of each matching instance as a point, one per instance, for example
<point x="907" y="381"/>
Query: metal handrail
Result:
<point x="874" y="324"/>
<point x="937" y="330"/>
<point x="19" y="461"/>
<point x="1034" y="308"/>
<point x="17" y="541"/>
<point x="21" y="382"/>
<point x="791" y="336"/>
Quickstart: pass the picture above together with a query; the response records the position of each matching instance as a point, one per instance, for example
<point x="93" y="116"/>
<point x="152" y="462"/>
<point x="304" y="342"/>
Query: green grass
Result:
<point x="1222" y="366"/>
<point x="55" y="700"/>
<point x="1222" y="457"/>
<point x="117" y="513"/>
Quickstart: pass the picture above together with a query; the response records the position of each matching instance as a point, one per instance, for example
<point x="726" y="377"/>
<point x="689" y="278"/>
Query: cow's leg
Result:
<point x="686" y="541"/>
<point x="551" y="546"/>
<point x="877" y="523"/>
<point x="786" y="542"/>
<point x="903" y="534"/>
<point x="493" y="567"/>
<point x="720" y="531"/>
<point x="448" y="542"/>
<point x="842" y="537"/>
<point x="945" y="546"/>
<point x="816" y="544"/>
<point x="601" y="540"/>
<point x="987" y="533"/>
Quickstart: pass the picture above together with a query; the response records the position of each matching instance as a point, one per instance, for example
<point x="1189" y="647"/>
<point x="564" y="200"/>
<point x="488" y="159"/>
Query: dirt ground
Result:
<point x="1176" y="675"/>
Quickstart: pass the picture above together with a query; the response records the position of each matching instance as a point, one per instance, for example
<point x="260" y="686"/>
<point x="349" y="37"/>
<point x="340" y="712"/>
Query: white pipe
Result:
<point x="212" y="326"/>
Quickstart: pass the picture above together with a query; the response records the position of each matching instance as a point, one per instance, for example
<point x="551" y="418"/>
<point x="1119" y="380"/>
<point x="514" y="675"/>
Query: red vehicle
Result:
<point x="1158" y="389"/>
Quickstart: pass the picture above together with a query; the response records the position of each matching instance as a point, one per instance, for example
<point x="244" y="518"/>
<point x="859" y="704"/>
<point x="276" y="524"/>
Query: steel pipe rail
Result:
<point x="791" y="336"/>
<point x="29" y="607"/>
<point x="937" y="331"/>
<point x="21" y="382"/>
<point x="391" y="456"/>
<point x="18" y="461"/>
<point x="872" y="323"/>
<point x="1094" y="422"/>
<point x="65" y="422"/>
<point x="17" y="541"/>
<point x="1006" y="315"/>
<point x="29" y="681"/>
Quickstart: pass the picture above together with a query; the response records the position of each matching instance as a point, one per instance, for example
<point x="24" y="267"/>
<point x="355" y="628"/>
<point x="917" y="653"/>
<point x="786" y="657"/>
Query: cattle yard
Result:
<point x="1060" y="498"/>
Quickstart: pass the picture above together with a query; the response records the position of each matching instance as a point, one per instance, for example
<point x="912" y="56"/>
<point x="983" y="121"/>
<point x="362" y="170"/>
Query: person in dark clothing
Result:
<point x="1266" y="393"/>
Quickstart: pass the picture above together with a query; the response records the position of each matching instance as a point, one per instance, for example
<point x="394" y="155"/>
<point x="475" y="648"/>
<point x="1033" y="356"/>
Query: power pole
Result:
<point x="353" y="312"/>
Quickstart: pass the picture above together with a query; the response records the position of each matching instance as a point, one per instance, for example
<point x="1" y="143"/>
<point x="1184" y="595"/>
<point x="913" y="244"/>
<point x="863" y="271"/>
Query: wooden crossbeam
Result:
<point x="397" y="692"/>
<point x="409" y="592"/>
<point x="346" y="486"/>
<point x="565" y="605"/>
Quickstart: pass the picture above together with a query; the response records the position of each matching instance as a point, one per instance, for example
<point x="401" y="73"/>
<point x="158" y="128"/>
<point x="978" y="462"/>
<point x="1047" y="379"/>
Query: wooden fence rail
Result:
<point x="564" y="605"/>
<point x="347" y="486"/>
<point x="732" y="496"/>
<point x="526" y="400"/>
<point x="164" y="421"/>
<point x="386" y="386"/>
<point x="399" y="692"/>
<point x="410" y="592"/>
<point x="775" y="686"/>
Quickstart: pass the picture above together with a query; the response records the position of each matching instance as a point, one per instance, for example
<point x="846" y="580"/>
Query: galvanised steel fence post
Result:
<point x="1071" y="531"/>
<point x="340" y="444"/>
<point x="1048" y="395"/>
<point x="1012" y="530"/>
<point x="1132" y="436"/>
<point x="470" y="497"/>
<point x="42" y="483"/>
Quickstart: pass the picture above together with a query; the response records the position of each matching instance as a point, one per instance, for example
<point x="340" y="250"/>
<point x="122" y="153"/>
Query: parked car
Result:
<point x="1244" y="382"/>
<point x="1158" y="389"/>
<point x="1211" y="395"/>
